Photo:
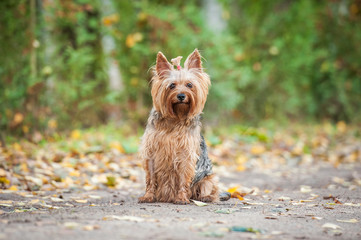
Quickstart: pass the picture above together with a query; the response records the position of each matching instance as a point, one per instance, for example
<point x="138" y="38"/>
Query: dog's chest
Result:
<point x="169" y="145"/>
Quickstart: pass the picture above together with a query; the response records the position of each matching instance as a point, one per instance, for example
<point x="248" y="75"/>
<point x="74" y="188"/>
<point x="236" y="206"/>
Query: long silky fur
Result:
<point x="171" y="145"/>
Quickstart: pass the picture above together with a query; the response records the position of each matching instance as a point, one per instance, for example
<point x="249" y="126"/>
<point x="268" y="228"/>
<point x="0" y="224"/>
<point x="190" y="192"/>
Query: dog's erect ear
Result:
<point x="163" y="66"/>
<point x="194" y="60"/>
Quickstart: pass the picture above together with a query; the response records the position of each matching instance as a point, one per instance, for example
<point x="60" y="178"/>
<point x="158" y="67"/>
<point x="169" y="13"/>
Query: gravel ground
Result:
<point x="315" y="202"/>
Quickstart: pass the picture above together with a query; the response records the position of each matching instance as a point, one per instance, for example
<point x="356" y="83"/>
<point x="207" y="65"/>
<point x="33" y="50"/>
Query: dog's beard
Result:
<point x="181" y="109"/>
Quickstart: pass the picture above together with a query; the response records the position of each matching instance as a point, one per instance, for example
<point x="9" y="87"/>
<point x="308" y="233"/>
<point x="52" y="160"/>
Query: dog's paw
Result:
<point x="181" y="201"/>
<point x="146" y="199"/>
<point x="207" y="199"/>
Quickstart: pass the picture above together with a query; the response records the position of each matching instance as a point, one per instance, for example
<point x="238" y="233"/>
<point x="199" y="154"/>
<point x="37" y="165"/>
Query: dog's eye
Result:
<point x="172" y="85"/>
<point x="189" y="85"/>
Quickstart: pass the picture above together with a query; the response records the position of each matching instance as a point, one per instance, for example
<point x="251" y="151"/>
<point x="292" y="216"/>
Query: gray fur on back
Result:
<point x="204" y="164"/>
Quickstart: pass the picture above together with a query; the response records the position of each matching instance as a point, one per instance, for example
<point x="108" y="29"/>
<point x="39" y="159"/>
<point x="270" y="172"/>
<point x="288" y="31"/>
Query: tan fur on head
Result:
<point x="170" y="146"/>
<point x="165" y="98"/>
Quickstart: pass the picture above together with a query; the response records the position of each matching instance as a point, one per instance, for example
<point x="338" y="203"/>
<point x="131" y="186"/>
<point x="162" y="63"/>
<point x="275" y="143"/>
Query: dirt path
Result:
<point x="327" y="206"/>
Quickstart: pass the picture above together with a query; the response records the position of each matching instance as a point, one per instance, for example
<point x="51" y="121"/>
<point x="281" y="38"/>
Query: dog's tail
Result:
<point x="224" y="196"/>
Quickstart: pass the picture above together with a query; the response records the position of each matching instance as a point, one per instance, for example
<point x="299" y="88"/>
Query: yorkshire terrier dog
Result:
<point x="173" y="150"/>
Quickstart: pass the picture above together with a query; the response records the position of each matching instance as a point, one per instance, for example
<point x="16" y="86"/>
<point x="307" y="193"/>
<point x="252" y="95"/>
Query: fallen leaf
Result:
<point x="111" y="181"/>
<point x="95" y="196"/>
<point x="232" y="190"/>
<point x="91" y="227"/>
<point x="5" y="205"/>
<point x="341" y="127"/>
<point x="238" y="195"/>
<point x="226" y="210"/>
<point x="55" y="199"/>
<point x="331" y="226"/>
<point x="243" y="229"/>
<point x="117" y="146"/>
<point x="284" y="198"/>
<point x="353" y="220"/>
<point x="4" y="180"/>
<point x="258" y="149"/>
<point x="13" y="188"/>
<point x="199" y="203"/>
<point x="305" y="189"/>
<point x="352" y="204"/>
<point x="253" y="203"/>
<point x="81" y="200"/>
<point x="34" y="201"/>
<point x="124" y="218"/>
<point x="71" y="225"/>
<point x="212" y="234"/>
<point x="75" y="134"/>
<point x="25" y="209"/>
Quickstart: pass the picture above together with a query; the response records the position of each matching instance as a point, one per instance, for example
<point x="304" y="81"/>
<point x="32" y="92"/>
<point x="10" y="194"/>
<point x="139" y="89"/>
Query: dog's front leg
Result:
<point x="149" y="195"/>
<point x="184" y="188"/>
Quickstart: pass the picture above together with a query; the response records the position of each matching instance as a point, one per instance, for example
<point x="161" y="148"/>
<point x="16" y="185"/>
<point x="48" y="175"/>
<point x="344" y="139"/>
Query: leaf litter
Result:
<point x="92" y="161"/>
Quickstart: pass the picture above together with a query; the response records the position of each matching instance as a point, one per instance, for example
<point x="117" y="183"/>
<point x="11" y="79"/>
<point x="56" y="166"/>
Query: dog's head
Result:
<point x="182" y="92"/>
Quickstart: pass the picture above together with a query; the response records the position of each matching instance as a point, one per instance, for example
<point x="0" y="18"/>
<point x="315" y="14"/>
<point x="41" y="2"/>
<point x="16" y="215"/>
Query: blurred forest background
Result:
<point x="84" y="63"/>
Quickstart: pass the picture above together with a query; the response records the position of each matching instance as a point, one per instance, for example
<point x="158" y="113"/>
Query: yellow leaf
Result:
<point x="134" y="81"/>
<point x="24" y="167"/>
<point x="241" y="168"/>
<point x="71" y="225"/>
<point x="117" y="146"/>
<point x="52" y="124"/>
<point x="111" y="19"/>
<point x="17" y="147"/>
<point x="129" y="41"/>
<point x="81" y="200"/>
<point x="241" y="160"/>
<point x="75" y="134"/>
<point x="341" y="127"/>
<point x="240" y="198"/>
<point x="13" y="188"/>
<point x="25" y="129"/>
<point x="4" y="180"/>
<point x="142" y="16"/>
<point x="258" y="149"/>
<point x="34" y="201"/>
<point x="138" y="37"/>
<point x="232" y="190"/>
<point x="18" y="118"/>
<point x="132" y="39"/>
<point x="74" y="173"/>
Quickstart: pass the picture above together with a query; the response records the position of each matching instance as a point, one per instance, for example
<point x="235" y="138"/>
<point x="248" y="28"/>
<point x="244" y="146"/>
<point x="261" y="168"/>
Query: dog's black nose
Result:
<point x="181" y="96"/>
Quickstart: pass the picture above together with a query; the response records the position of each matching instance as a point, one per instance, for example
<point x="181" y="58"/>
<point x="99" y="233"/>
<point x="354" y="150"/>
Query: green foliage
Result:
<point x="275" y="59"/>
<point x="295" y="59"/>
<point x="78" y="80"/>
<point x="14" y="79"/>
